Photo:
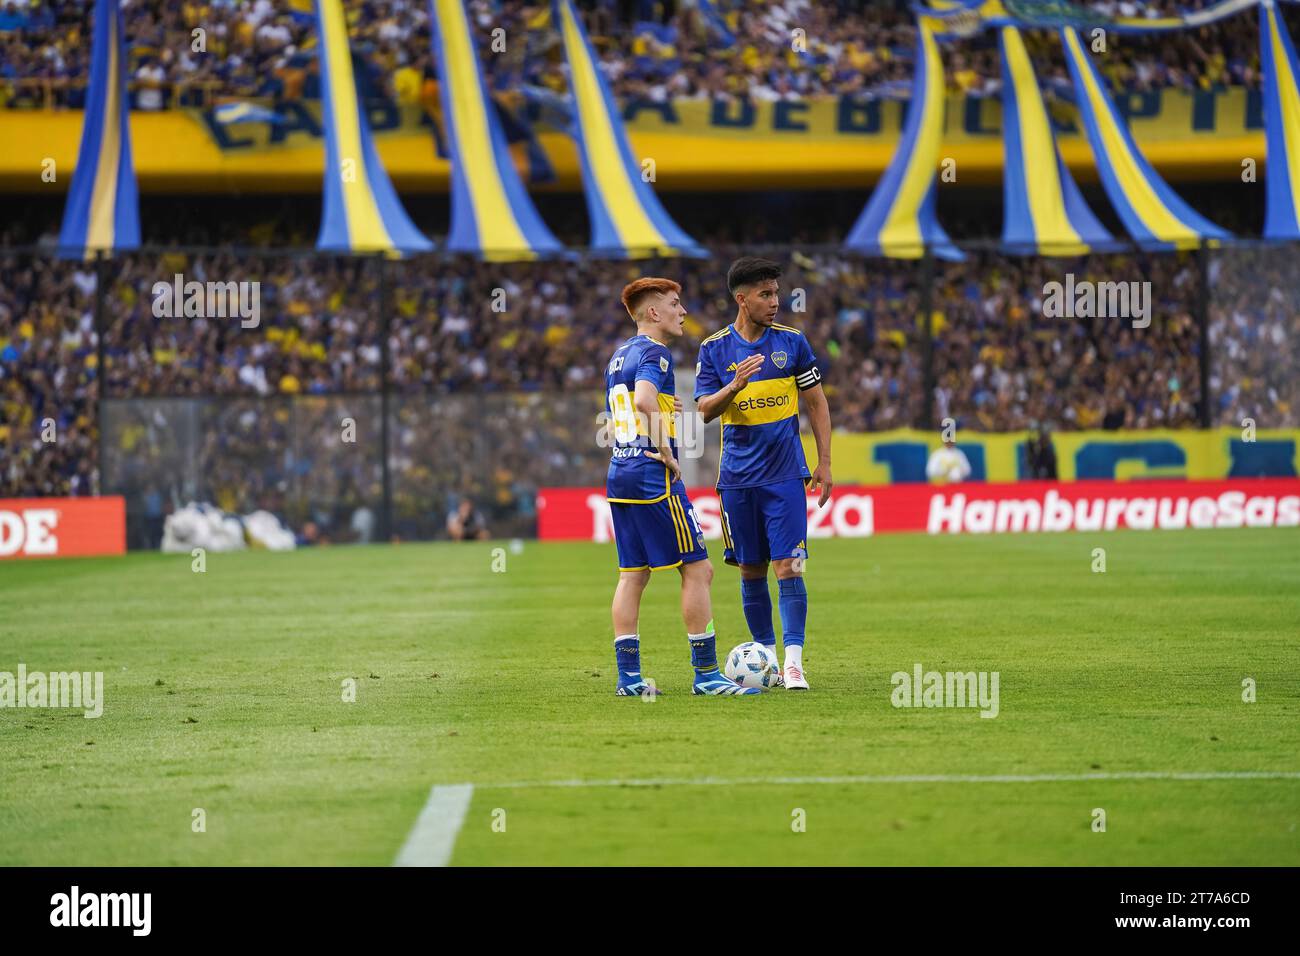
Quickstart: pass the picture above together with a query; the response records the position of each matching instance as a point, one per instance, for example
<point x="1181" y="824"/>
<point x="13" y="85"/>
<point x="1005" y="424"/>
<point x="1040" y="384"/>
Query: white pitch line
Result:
<point x="434" y="835"/>
<point x="909" y="778"/>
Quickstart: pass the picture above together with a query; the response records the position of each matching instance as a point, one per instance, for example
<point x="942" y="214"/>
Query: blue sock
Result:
<point x="757" y="603"/>
<point x="627" y="652"/>
<point x="793" y="601"/>
<point x="704" y="651"/>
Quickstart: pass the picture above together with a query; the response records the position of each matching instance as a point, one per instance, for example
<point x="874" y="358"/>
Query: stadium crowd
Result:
<point x="1255" y="338"/>
<point x="651" y="50"/>
<point x="496" y="369"/>
<point x="49" y="388"/>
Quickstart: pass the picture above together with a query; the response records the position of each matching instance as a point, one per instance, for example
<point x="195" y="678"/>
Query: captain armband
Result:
<point x="808" y="379"/>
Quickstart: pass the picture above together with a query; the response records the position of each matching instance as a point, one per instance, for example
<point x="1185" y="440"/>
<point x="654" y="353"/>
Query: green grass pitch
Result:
<point x="223" y="692"/>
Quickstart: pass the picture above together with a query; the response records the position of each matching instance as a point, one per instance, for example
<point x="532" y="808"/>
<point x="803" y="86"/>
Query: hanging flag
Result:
<point x="964" y="17"/>
<point x="229" y="114"/>
<point x="899" y="221"/>
<point x="626" y="216"/>
<point x="717" y="25"/>
<point x="541" y="20"/>
<point x="1281" y="126"/>
<point x="362" y="212"/>
<point x="1043" y="211"/>
<point x="300" y="11"/>
<point x="492" y="214"/>
<point x="1154" y="215"/>
<point x="103" y="207"/>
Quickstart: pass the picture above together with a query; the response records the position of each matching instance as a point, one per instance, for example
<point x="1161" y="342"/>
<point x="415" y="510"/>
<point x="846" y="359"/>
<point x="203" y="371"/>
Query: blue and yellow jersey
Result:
<point x="633" y="478"/>
<point x="760" y="428"/>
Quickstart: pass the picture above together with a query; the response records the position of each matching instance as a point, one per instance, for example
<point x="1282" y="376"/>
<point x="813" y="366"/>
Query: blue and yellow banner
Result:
<point x="1043" y="211"/>
<point x="626" y="216"/>
<point x="900" y="456"/>
<point x="301" y="11"/>
<point x="1154" y="215"/>
<point x="899" y="220"/>
<point x="965" y="17"/>
<point x="362" y="212"/>
<point x="1281" y="126"/>
<point x="103" y="208"/>
<point x="492" y="214"/>
<point x="717" y="23"/>
<point x="843" y="142"/>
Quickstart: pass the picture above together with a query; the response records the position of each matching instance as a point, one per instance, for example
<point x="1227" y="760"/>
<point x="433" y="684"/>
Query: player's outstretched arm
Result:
<point x="819" y="416"/>
<point x="711" y="406"/>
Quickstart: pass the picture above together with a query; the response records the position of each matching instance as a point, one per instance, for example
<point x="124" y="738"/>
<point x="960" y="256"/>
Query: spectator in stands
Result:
<point x="149" y="85"/>
<point x="362" y="525"/>
<point x="465" y="522"/>
<point x="1041" y="456"/>
<point x="948" y="464"/>
<point x="861" y="46"/>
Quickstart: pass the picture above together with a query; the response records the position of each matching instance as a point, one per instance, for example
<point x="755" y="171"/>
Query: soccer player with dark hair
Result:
<point x="752" y="375"/>
<point x="655" y="527"/>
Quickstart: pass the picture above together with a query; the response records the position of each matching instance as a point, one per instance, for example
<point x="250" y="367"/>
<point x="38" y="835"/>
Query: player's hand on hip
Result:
<point x="677" y="404"/>
<point x="747" y="368"/>
<point x="668" y="461"/>
<point x="821" y="477"/>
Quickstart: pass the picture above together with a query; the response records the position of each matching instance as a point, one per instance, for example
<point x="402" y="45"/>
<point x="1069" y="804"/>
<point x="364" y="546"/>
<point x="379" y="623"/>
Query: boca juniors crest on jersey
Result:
<point x="779" y="359"/>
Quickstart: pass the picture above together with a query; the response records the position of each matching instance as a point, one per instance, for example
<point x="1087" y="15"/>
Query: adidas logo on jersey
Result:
<point x="731" y="367"/>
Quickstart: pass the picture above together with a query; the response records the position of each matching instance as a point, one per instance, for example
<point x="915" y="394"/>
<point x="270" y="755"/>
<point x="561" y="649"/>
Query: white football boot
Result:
<point x="793" y="678"/>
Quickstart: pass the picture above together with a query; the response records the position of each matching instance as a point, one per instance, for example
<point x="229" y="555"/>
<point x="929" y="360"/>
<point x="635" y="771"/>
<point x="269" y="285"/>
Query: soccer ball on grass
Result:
<point x="753" y="665"/>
